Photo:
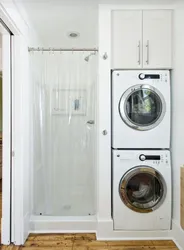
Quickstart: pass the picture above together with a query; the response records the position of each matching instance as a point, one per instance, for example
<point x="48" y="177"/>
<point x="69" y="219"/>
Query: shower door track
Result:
<point x="30" y="49"/>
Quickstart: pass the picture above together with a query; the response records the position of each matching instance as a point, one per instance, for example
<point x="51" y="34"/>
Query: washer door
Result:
<point x="142" y="189"/>
<point x="142" y="107"/>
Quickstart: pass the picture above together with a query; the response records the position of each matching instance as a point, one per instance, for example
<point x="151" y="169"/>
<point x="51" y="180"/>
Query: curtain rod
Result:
<point x="62" y="49"/>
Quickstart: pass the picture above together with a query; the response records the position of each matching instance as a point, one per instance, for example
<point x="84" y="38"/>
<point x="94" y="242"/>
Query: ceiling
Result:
<point x="54" y="19"/>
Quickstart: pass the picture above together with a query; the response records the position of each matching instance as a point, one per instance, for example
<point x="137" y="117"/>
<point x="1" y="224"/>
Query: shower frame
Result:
<point x="64" y="224"/>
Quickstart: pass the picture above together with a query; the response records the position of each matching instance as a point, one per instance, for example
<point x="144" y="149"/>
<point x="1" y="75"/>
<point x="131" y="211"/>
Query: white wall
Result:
<point x="177" y="85"/>
<point x="21" y="131"/>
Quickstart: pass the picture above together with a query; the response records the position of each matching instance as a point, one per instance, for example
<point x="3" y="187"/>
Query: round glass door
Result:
<point x="142" y="107"/>
<point x="142" y="189"/>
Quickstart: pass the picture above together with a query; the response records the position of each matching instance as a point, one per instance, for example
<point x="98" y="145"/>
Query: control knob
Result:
<point x="142" y="157"/>
<point x="141" y="76"/>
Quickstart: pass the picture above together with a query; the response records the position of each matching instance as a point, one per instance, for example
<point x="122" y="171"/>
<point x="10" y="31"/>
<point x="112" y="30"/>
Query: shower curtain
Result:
<point x="63" y="85"/>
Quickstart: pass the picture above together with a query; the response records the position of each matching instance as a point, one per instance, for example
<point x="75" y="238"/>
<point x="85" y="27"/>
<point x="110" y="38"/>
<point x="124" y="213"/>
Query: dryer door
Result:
<point x="142" y="107"/>
<point x="142" y="189"/>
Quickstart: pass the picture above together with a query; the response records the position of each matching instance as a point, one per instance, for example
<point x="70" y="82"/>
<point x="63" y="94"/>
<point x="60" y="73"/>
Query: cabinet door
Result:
<point x="157" y="39"/>
<point x="126" y="39"/>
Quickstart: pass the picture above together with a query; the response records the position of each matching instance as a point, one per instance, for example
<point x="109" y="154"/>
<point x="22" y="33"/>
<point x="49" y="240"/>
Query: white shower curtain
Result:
<point x="63" y="86"/>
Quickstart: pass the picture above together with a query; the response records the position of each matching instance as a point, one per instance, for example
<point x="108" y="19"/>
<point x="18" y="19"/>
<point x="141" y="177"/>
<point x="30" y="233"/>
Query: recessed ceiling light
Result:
<point x="73" y="34"/>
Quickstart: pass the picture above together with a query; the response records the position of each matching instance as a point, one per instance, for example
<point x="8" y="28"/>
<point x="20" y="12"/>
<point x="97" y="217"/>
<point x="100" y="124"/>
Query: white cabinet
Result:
<point x="141" y="39"/>
<point x="157" y="39"/>
<point x="126" y="39"/>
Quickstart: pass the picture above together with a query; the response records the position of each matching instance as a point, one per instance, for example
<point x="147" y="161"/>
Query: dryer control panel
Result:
<point x="154" y="77"/>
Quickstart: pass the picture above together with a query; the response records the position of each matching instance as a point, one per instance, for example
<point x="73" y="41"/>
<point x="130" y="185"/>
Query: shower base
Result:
<point x="63" y="224"/>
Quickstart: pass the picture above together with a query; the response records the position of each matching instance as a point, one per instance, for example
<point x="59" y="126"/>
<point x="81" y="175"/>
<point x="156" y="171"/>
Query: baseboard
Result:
<point x="177" y="234"/>
<point x="26" y="227"/>
<point x="105" y="232"/>
<point x="104" y="229"/>
<point x="5" y="240"/>
<point x="59" y="224"/>
<point x="21" y="230"/>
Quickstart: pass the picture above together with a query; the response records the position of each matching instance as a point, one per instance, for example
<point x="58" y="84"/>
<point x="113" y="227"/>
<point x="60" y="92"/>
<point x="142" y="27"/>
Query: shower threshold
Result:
<point x="63" y="224"/>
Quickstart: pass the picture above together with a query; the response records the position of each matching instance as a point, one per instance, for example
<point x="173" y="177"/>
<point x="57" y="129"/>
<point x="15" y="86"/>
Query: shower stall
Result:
<point x="64" y="132"/>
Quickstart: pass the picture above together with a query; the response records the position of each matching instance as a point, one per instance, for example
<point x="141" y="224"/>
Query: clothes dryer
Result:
<point x="141" y="109"/>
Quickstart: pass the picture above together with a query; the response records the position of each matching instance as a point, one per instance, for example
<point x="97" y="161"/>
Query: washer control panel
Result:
<point x="154" y="77"/>
<point x="155" y="159"/>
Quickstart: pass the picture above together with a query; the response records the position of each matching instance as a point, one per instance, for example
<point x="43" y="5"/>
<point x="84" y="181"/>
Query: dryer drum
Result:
<point x="142" y="107"/>
<point x="142" y="189"/>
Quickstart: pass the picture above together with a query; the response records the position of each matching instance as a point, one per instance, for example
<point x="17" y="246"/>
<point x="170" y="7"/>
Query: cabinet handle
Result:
<point x="139" y="53"/>
<point x="147" y="51"/>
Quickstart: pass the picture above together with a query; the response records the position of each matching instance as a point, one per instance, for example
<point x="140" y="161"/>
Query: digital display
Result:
<point x="152" y="157"/>
<point x="152" y="76"/>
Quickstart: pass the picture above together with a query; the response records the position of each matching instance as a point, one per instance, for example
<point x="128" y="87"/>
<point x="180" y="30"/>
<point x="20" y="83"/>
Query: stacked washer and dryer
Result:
<point x="141" y="165"/>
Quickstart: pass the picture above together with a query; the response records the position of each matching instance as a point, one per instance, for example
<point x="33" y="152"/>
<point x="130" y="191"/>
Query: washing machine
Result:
<point x="141" y="109"/>
<point x="141" y="190"/>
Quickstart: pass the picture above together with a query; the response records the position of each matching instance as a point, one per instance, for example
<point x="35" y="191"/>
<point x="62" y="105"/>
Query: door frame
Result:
<point x="9" y="234"/>
<point x="7" y="132"/>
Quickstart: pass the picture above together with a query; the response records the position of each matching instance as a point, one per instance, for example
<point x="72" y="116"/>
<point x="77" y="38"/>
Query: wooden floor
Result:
<point x="87" y="242"/>
<point x="84" y="242"/>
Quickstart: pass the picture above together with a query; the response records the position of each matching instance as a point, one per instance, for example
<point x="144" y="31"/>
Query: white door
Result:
<point x="157" y="39"/>
<point x="6" y="135"/>
<point x="142" y="108"/>
<point x="126" y="39"/>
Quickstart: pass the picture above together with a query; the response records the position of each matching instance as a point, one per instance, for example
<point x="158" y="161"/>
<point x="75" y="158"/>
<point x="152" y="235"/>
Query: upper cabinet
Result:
<point x="127" y="39"/>
<point x="142" y="39"/>
<point x="157" y="39"/>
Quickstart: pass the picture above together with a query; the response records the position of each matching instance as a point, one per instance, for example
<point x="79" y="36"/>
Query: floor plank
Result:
<point x="163" y="243"/>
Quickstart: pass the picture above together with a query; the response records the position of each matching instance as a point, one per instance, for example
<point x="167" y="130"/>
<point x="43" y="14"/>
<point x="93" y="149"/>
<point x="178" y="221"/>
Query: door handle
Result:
<point x="139" y="53"/>
<point x="90" y="122"/>
<point x="147" y="52"/>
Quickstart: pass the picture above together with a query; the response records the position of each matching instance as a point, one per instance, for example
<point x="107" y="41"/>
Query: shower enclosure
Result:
<point x="64" y="104"/>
